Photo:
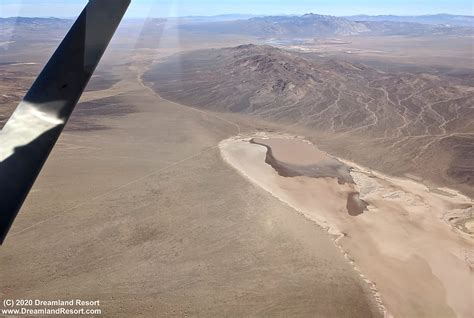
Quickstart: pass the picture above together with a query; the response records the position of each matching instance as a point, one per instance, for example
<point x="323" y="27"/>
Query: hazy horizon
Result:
<point x="180" y="8"/>
<point x="242" y="14"/>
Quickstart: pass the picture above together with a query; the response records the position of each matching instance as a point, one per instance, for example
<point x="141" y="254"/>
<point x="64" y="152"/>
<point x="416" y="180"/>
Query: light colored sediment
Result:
<point x="412" y="245"/>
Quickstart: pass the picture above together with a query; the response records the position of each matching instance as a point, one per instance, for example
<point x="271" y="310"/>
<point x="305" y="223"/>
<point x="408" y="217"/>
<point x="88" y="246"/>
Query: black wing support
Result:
<point x="32" y="131"/>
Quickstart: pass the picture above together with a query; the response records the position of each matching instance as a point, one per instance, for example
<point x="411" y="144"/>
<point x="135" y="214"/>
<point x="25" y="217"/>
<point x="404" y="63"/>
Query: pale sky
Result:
<point x="165" y="8"/>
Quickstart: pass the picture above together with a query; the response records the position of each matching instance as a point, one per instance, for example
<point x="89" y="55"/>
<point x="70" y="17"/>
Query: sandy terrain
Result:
<point x="420" y="51"/>
<point x="136" y="208"/>
<point x="412" y="245"/>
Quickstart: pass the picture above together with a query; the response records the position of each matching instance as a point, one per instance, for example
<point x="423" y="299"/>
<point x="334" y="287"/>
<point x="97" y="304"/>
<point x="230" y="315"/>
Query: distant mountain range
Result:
<point x="308" y="25"/>
<point x="215" y="18"/>
<point x="436" y="19"/>
<point x="315" y="25"/>
<point x="19" y="21"/>
<point x="287" y="26"/>
<point x="33" y="29"/>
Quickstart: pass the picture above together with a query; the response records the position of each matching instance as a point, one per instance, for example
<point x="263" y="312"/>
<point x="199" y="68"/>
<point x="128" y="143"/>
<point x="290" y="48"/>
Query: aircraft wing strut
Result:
<point x="32" y="131"/>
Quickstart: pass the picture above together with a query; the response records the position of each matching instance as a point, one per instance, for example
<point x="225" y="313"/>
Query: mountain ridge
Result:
<point x="316" y="25"/>
<point x="432" y="19"/>
<point x="402" y="119"/>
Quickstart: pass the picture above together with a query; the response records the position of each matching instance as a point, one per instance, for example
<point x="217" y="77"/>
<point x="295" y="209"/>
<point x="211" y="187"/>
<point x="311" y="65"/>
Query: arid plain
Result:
<point x="136" y="208"/>
<point x="140" y="208"/>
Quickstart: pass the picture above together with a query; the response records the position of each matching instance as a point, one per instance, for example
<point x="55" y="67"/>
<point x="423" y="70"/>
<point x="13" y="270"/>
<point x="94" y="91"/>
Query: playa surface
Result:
<point x="412" y="244"/>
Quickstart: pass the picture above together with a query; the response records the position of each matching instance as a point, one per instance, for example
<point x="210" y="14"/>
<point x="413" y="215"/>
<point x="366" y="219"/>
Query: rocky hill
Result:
<point x="397" y="122"/>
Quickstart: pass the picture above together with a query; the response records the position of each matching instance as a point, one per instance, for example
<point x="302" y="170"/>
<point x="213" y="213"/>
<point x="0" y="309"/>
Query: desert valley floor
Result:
<point x="152" y="206"/>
